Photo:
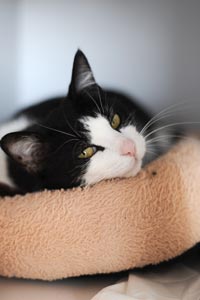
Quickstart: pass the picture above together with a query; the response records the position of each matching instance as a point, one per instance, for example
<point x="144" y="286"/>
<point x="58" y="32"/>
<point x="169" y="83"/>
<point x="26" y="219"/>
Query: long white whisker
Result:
<point x="152" y="152"/>
<point x="165" y="110"/>
<point x="164" y="116"/>
<point x="164" y="136"/>
<point x="76" y="133"/>
<point x="154" y="118"/>
<point x="94" y="102"/>
<point x="163" y="142"/>
<point x="106" y="103"/>
<point x="170" y="125"/>
<point x="56" y="130"/>
<point x="69" y="141"/>
<point x="100" y="100"/>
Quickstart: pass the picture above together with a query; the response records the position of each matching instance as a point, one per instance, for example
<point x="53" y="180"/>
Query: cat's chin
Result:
<point x="108" y="165"/>
<point x="135" y="170"/>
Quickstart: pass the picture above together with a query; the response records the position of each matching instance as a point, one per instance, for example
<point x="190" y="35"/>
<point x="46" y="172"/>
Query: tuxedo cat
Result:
<point x="80" y="139"/>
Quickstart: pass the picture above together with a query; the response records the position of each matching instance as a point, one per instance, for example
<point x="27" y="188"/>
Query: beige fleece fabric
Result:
<point x="115" y="225"/>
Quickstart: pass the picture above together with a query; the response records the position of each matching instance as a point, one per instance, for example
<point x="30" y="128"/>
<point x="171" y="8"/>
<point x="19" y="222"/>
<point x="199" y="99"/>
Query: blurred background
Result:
<point x="149" y="49"/>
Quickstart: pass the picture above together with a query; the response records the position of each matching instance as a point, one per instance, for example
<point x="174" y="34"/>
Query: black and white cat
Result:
<point x="83" y="138"/>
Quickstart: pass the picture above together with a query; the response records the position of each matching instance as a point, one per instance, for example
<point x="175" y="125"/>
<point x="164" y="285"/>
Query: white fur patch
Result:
<point x="110" y="163"/>
<point x="12" y="126"/>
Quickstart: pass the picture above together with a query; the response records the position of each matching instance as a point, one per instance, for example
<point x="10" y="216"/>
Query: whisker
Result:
<point x="170" y="125"/>
<point x="56" y="130"/>
<point x="164" y="136"/>
<point x="76" y="133"/>
<point x="151" y="152"/>
<point x="111" y="110"/>
<point x="164" y="142"/>
<point x="131" y="119"/>
<point x="100" y="100"/>
<point x="106" y="103"/>
<point x="169" y="114"/>
<point x="72" y="173"/>
<point x="76" y="167"/>
<point x="97" y="106"/>
<point x="162" y="113"/>
<point x="59" y="147"/>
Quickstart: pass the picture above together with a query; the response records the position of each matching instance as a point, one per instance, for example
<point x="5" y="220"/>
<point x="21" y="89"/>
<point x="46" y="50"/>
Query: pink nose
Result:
<point x="127" y="148"/>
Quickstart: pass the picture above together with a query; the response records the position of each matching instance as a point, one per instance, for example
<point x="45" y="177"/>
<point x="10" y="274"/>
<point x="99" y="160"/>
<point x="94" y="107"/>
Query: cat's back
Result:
<point x="26" y="117"/>
<point x="42" y="109"/>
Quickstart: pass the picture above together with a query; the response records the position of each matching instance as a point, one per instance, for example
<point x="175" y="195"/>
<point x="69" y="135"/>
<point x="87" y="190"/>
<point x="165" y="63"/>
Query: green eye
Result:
<point x="88" y="152"/>
<point x="115" y="121"/>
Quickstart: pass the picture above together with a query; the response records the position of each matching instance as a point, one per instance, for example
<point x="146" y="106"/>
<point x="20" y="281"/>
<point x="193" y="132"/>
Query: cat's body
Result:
<point x="83" y="138"/>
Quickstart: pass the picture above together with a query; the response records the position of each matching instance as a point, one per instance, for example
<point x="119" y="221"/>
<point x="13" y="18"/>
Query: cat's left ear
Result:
<point x="27" y="149"/>
<point x="82" y="76"/>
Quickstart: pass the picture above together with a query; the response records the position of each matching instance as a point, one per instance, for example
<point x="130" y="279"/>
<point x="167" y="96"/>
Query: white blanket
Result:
<point x="177" y="282"/>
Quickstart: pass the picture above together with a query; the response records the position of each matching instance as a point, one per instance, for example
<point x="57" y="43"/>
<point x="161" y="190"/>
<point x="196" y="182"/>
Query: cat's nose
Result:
<point x="128" y="148"/>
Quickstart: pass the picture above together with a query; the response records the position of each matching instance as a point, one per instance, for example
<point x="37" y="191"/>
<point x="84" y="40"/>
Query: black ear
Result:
<point x="26" y="148"/>
<point x="82" y="76"/>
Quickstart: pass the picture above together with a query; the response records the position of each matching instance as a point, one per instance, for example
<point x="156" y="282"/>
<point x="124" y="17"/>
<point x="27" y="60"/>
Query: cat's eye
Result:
<point x="115" y="121"/>
<point x="88" y="152"/>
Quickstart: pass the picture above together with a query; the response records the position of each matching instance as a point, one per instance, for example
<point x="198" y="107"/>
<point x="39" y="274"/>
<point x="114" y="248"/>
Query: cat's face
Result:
<point x="113" y="138"/>
<point x="91" y="136"/>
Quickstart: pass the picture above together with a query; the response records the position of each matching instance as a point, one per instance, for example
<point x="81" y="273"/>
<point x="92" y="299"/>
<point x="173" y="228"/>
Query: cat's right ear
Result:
<point x="27" y="149"/>
<point x="82" y="76"/>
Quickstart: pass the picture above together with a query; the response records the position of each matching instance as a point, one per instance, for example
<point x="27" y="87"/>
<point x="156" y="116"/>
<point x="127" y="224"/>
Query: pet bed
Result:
<point x="113" y="226"/>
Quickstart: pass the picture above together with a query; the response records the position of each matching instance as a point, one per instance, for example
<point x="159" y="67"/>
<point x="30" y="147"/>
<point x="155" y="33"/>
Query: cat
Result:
<point x="89" y="135"/>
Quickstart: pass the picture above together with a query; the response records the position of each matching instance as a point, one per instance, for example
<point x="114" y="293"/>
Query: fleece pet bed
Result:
<point x="112" y="226"/>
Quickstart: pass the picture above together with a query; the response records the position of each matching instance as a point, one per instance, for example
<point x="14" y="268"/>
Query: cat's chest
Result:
<point x="11" y="126"/>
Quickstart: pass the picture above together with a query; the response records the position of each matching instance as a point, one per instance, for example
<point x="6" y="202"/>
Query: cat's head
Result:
<point x="92" y="135"/>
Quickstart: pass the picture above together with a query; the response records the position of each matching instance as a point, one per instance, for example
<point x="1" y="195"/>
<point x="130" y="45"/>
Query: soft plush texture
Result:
<point x="115" y="225"/>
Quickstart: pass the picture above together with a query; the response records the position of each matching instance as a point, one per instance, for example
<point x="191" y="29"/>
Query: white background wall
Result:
<point x="8" y="55"/>
<point x="148" y="48"/>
